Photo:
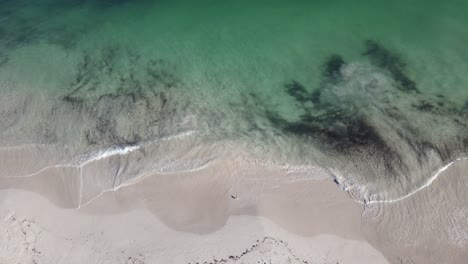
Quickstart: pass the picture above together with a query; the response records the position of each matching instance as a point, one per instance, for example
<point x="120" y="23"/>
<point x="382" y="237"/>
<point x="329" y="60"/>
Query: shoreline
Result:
<point x="301" y="220"/>
<point x="280" y="206"/>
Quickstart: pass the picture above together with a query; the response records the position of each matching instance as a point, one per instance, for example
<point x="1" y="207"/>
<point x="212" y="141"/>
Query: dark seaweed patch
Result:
<point x="340" y="132"/>
<point x="74" y="101"/>
<point x="424" y="106"/>
<point x="340" y="127"/>
<point x="160" y="76"/>
<point x="335" y="127"/>
<point x="140" y="98"/>
<point x="3" y="59"/>
<point x="392" y="62"/>
<point x="333" y="66"/>
<point x="346" y="130"/>
<point x="465" y="107"/>
<point x="107" y="60"/>
<point x="105" y="130"/>
<point x="298" y="91"/>
<point x="3" y="33"/>
<point x="82" y="79"/>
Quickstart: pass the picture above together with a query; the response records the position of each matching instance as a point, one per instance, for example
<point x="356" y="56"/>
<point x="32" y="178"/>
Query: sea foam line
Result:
<point x="139" y="179"/>
<point x="102" y="154"/>
<point x="422" y="187"/>
<point x="82" y="160"/>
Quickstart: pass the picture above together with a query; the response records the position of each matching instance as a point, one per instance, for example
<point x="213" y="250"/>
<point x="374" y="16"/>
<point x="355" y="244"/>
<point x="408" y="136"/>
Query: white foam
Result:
<point x="422" y="187"/>
<point x="82" y="160"/>
<point x="106" y="153"/>
<point x="102" y="154"/>
<point x="140" y="178"/>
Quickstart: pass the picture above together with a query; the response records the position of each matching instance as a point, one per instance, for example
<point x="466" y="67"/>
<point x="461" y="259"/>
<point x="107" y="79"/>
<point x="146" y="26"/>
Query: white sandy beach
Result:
<point x="187" y="217"/>
<point x="312" y="132"/>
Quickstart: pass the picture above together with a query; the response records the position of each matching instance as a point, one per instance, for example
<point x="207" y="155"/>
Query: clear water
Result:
<point x="373" y="91"/>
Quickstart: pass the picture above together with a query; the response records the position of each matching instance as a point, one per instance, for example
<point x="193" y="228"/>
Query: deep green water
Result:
<point x="375" y="91"/>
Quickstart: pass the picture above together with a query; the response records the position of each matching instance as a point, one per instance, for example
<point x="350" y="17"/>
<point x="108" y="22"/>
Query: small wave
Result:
<point x="105" y="153"/>
<point x="422" y="187"/>
<point x="140" y="178"/>
<point x="123" y="150"/>
<point x="83" y="160"/>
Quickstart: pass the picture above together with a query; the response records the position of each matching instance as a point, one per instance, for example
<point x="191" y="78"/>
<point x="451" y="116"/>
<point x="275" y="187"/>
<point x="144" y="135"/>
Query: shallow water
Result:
<point x="375" y="92"/>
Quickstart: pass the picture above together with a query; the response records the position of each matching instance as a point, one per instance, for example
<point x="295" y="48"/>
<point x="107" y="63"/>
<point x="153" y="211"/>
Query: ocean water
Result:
<point x="374" y="92"/>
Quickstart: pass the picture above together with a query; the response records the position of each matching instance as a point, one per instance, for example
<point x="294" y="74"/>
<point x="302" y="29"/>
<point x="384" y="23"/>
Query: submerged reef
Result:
<point x="375" y="113"/>
<point x="334" y="124"/>
<point x="120" y="106"/>
<point x="392" y="62"/>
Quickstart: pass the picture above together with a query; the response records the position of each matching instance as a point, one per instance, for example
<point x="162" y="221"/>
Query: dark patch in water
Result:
<point x="465" y="107"/>
<point x="343" y="128"/>
<point x="144" y="96"/>
<point x="298" y="91"/>
<point x="75" y="101"/>
<point x="3" y="59"/>
<point x="25" y="23"/>
<point x="392" y="62"/>
<point x="157" y="70"/>
<point x="336" y="130"/>
<point x="3" y="33"/>
<point x="100" y="4"/>
<point x="333" y="66"/>
<point x="424" y="106"/>
<point x="335" y="127"/>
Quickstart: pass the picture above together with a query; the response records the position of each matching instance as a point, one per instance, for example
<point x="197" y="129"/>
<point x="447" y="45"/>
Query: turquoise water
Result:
<point x="375" y="91"/>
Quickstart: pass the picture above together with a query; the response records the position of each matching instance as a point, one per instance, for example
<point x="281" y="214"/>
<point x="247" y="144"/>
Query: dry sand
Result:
<point x="186" y="217"/>
<point x="232" y="210"/>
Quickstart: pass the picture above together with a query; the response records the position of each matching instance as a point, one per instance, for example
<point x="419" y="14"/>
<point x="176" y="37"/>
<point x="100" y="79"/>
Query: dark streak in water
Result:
<point x="147" y="92"/>
<point x="341" y="129"/>
<point x="425" y="106"/>
<point x="298" y="91"/>
<point x="333" y="67"/>
<point x="392" y="62"/>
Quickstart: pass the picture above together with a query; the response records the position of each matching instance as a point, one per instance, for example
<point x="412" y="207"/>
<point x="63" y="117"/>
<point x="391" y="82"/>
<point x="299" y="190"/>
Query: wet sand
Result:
<point x="430" y="226"/>
<point x="228" y="212"/>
